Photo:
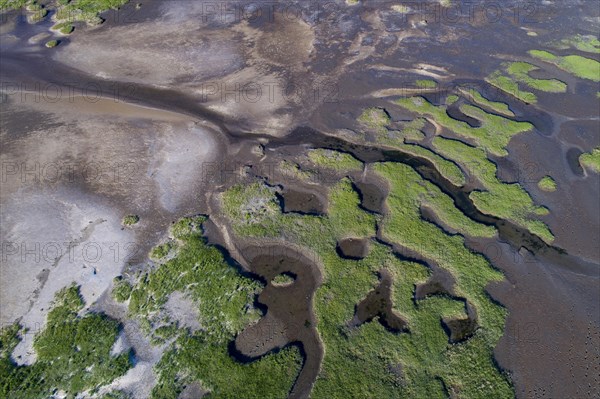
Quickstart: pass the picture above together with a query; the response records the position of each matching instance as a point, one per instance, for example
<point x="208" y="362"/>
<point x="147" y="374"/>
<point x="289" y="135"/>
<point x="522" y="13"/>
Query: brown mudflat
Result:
<point x="289" y="317"/>
<point x="353" y="248"/>
<point x="441" y="282"/>
<point x="372" y="196"/>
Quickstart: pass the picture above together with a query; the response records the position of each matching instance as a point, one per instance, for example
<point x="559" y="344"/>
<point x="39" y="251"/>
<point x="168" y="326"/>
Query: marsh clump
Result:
<point x="547" y="183"/>
<point x="52" y="43"/>
<point x="591" y="160"/>
<point x="283" y="280"/>
<point x="130" y="220"/>
<point x="582" y="67"/>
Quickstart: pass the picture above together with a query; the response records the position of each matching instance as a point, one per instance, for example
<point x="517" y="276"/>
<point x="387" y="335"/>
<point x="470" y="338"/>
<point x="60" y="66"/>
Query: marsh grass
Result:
<point x="591" y="160"/>
<point x="547" y="183"/>
<point x="497" y="107"/>
<point x="504" y="200"/>
<point x="520" y="71"/>
<point x="65" y="28"/>
<point x="582" y="67"/>
<point x="511" y="87"/>
<point x="73" y="353"/>
<point x="334" y="160"/>
<point x="130" y="220"/>
<point x="493" y="135"/>
<point x="224" y="298"/>
<point x="585" y="43"/>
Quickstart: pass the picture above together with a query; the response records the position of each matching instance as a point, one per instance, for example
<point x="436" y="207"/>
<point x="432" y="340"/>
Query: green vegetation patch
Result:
<point x="477" y="98"/>
<point x="163" y="250"/>
<point x="400" y="8"/>
<point x="493" y="135"/>
<point x="66" y="11"/>
<point x="577" y="65"/>
<point x="283" y="279"/>
<point x="370" y="361"/>
<point x="520" y="71"/>
<point x="73" y="353"/>
<point x="6" y="5"/>
<point x="64" y="28"/>
<point x="585" y="43"/>
<point x="292" y="171"/>
<point x="121" y="289"/>
<point x="448" y="169"/>
<point x="451" y="99"/>
<point x="224" y="299"/>
<point x="511" y="87"/>
<point x="503" y="200"/>
<point x="411" y="131"/>
<point x="87" y="11"/>
<point x="426" y="84"/>
<point x="404" y="226"/>
<point x="335" y="160"/>
<point x="375" y="119"/>
<point x="252" y="206"/>
<point x="591" y="160"/>
<point x="52" y="43"/>
<point x="547" y="183"/>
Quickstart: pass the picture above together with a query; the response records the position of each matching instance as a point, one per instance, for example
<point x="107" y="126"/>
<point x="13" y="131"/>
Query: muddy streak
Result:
<point x="518" y="237"/>
<point x="21" y="72"/>
<point x="289" y="318"/>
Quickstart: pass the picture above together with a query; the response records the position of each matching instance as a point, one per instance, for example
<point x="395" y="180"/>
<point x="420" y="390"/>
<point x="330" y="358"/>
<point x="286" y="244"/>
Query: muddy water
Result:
<point x="289" y="317"/>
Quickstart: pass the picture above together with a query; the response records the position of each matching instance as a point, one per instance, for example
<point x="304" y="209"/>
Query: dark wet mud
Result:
<point x="378" y="303"/>
<point x="460" y="329"/>
<point x="289" y="317"/>
<point x="372" y="196"/>
<point x="573" y="155"/>
<point x="441" y="282"/>
<point x="303" y="202"/>
<point x="353" y="248"/>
